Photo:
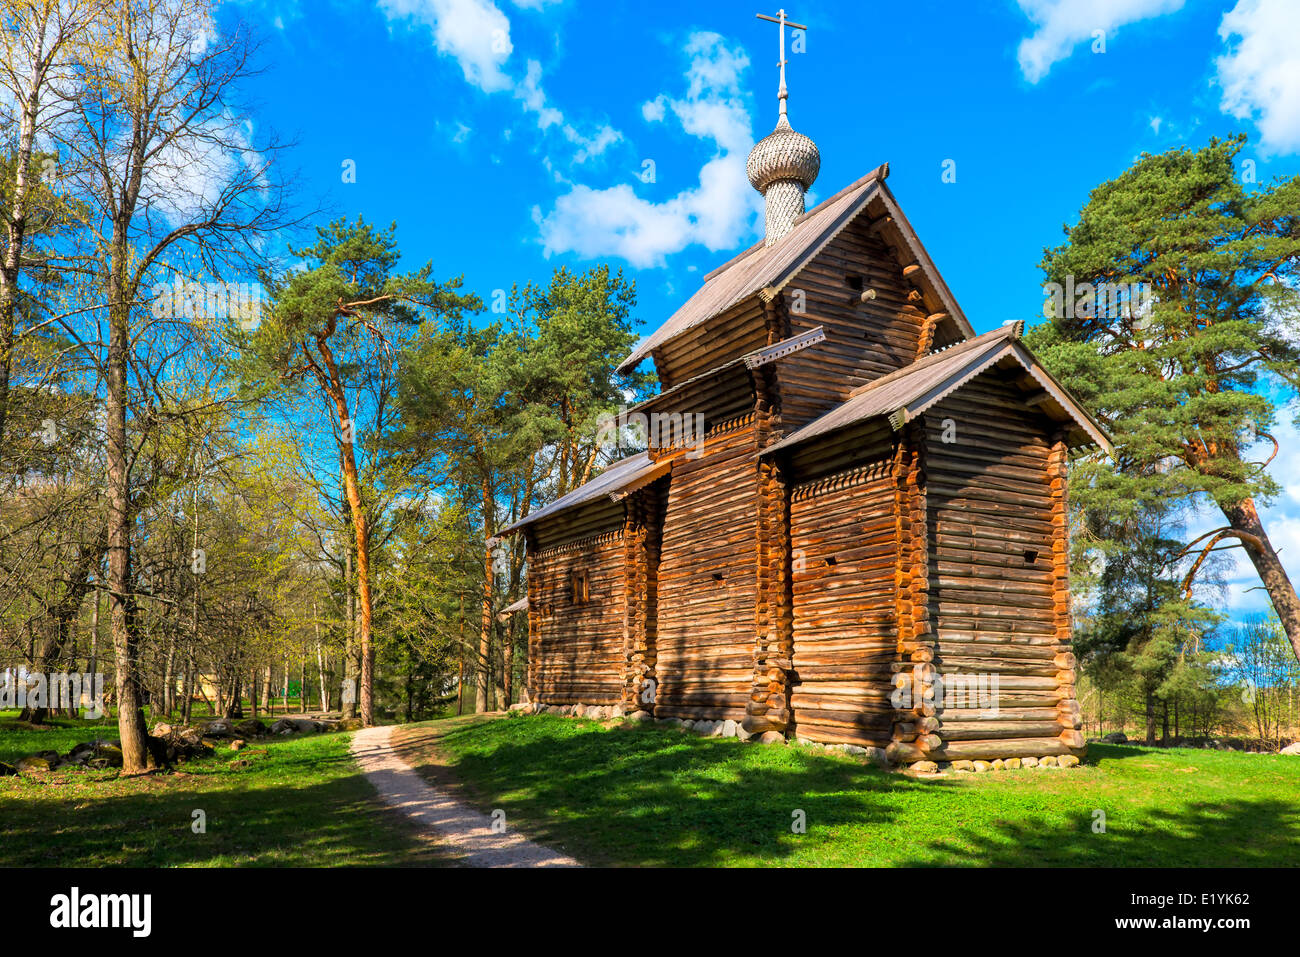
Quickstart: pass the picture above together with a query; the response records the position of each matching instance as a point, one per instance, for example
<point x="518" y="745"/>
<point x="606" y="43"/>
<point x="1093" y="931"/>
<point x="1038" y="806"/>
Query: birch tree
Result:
<point x="177" y="198"/>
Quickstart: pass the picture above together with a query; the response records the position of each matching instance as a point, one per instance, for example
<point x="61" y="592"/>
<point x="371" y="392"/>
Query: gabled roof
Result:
<point x="903" y="395"/>
<point x="615" y="478"/>
<point x="765" y="270"/>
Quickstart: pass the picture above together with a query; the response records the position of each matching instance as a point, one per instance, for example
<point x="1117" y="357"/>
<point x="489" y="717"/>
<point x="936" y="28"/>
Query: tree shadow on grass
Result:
<point x="1255" y="833"/>
<point x="279" y="814"/>
<point x="1100" y="753"/>
<point x="659" y="797"/>
<point x="653" y="796"/>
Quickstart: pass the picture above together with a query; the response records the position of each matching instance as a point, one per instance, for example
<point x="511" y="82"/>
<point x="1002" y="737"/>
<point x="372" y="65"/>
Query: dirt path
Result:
<point x="456" y="826"/>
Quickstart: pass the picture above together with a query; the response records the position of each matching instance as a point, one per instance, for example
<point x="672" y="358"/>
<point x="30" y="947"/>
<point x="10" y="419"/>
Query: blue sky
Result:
<point x="509" y="137"/>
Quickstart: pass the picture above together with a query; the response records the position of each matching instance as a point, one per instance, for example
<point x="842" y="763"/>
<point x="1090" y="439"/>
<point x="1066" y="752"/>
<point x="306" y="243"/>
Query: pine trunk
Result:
<point x="1244" y="518"/>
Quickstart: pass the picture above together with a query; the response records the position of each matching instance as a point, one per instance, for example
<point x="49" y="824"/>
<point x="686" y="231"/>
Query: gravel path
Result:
<point x="458" y="827"/>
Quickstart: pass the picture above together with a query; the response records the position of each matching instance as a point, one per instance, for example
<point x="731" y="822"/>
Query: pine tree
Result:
<point x="333" y="325"/>
<point x="1177" y="326"/>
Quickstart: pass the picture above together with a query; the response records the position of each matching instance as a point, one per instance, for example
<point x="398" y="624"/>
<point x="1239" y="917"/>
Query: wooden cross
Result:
<point x="782" y="22"/>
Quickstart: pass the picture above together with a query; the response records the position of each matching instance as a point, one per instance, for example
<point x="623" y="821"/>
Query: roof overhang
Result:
<point x="902" y="396"/>
<point x="660" y="469"/>
<point x="750" y="361"/>
<point x="1087" y="424"/>
<point x="512" y="609"/>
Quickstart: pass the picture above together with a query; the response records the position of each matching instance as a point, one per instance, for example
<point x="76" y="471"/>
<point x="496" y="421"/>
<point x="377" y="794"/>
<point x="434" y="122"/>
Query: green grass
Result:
<point x="299" y="802"/>
<point x="19" y="739"/>
<point x="651" y="796"/>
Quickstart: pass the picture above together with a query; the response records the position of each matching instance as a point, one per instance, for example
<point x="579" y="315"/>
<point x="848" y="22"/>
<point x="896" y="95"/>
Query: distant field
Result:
<point x="300" y="802"/>
<point x="642" y="795"/>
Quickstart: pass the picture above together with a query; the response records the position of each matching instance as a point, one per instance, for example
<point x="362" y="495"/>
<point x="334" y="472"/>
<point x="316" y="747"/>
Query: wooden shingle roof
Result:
<point x="903" y="395"/>
<point x="609" y="482"/>
<point x="765" y="270"/>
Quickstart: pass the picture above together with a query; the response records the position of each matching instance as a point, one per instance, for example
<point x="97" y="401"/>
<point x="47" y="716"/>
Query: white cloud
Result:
<point x="1064" y="24"/>
<point x="594" y="145"/>
<point x="716" y="213"/>
<point x="476" y="33"/>
<point x="529" y="92"/>
<point x="473" y="32"/>
<point x="1260" y="73"/>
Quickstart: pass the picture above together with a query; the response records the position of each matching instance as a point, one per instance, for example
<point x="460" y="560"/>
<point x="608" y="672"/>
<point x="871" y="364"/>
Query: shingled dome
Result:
<point x="783" y="154"/>
<point x="781" y="166"/>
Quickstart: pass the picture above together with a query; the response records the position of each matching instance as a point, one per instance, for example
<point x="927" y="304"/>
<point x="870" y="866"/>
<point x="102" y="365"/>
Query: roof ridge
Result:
<point x="878" y="174"/>
<point x="761" y="266"/>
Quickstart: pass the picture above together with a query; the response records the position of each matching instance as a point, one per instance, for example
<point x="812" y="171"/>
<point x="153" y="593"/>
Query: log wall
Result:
<point x="706" y="580"/>
<point x="845" y="629"/>
<point x="995" y="501"/>
<point x="863" y="340"/>
<point x="730" y="335"/>
<point x="577" y="649"/>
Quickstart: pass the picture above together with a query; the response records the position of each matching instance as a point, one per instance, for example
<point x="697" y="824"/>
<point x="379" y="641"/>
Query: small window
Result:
<point x="579" y="592"/>
<point x="832" y="560"/>
<point x="1031" y="556"/>
<point x="854" y="282"/>
<point x="718" y="576"/>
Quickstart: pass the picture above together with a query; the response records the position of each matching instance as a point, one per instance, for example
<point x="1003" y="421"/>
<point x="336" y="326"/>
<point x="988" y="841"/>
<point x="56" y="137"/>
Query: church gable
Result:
<point x="852" y="267"/>
<point x="872" y="313"/>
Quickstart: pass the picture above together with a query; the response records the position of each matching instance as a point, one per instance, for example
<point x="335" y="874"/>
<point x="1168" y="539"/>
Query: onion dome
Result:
<point x="783" y="155"/>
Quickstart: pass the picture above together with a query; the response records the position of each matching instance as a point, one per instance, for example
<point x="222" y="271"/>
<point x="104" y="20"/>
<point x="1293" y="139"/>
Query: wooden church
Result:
<point x="867" y="544"/>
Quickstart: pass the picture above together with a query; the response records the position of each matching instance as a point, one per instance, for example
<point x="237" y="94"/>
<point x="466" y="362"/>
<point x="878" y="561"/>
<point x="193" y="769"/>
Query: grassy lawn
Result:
<point x="299" y="802"/>
<point x="625" y="794"/>
<point x="19" y="739"/>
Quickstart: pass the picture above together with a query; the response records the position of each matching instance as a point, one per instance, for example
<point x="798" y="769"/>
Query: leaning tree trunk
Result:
<point x="356" y="510"/>
<point x="352" y="486"/>
<point x="1245" y="519"/>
